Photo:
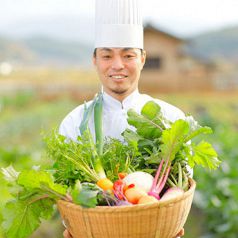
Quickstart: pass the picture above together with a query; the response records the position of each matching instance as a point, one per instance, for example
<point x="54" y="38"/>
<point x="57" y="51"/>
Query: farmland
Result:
<point x="34" y="101"/>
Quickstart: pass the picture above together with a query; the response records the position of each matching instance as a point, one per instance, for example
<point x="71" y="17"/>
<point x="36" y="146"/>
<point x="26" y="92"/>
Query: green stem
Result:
<point x="98" y="110"/>
<point x="98" y="122"/>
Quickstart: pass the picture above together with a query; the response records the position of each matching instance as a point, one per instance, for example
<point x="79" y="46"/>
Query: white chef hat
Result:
<point x="118" y="23"/>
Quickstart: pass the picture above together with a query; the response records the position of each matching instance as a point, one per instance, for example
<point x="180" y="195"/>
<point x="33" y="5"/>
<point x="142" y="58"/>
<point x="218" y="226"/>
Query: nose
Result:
<point x="117" y="63"/>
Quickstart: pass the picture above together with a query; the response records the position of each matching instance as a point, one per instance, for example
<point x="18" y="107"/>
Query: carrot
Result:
<point x="105" y="184"/>
<point x="134" y="194"/>
<point x="122" y="175"/>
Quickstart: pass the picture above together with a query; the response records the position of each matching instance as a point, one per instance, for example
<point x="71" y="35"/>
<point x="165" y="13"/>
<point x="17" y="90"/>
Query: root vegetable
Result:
<point x="172" y="193"/>
<point x="105" y="184"/>
<point x="140" y="179"/>
<point x="134" y="194"/>
<point x="147" y="199"/>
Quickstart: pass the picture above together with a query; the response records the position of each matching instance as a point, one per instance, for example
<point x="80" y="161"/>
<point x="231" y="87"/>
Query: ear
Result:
<point x="143" y="58"/>
<point x="94" y="60"/>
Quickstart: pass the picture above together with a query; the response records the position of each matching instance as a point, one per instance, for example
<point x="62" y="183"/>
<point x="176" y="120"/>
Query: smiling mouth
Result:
<point x="118" y="76"/>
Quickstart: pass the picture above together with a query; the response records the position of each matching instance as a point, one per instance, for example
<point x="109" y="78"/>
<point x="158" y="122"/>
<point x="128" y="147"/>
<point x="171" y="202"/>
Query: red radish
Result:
<point x="160" y="180"/>
<point x="172" y="193"/>
<point x="118" y="189"/>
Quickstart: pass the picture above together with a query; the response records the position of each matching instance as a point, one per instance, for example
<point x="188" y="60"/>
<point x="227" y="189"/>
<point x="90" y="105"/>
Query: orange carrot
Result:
<point x="105" y="184"/>
<point x="122" y="175"/>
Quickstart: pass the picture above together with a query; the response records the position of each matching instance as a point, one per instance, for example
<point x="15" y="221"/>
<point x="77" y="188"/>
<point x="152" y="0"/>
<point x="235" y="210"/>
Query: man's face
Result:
<point x="119" y="70"/>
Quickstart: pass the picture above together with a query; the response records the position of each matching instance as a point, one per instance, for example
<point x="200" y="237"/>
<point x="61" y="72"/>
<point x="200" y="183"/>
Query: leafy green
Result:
<point x="75" y="169"/>
<point x="40" y="180"/>
<point x="33" y="202"/>
<point x="85" y="194"/>
<point x="204" y="155"/>
<point x="81" y="159"/>
<point x="22" y="218"/>
<point x="196" y="129"/>
<point x="74" y="160"/>
<point x="173" y="138"/>
<point x="118" y="157"/>
<point x="148" y="124"/>
<point x="158" y="139"/>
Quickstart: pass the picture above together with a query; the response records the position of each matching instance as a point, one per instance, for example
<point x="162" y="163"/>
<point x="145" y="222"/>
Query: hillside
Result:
<point x="220" y="43"/>
<point x="42" y="50"/>
<point x="14" y="50"/>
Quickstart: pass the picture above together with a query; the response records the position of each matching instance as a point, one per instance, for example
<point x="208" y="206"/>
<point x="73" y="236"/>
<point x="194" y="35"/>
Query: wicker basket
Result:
<point x="156" y="220"/>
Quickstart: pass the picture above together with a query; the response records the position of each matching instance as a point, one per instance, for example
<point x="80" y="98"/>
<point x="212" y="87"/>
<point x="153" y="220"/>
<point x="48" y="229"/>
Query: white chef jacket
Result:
<point x="115" y="115"/>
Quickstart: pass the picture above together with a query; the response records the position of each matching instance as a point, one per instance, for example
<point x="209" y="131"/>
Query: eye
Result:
<point x="106" y="56"/>
<point x="129" y="56"/>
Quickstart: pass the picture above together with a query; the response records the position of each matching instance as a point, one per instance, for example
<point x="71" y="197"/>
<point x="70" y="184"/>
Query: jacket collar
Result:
<point x="110" y="103"/>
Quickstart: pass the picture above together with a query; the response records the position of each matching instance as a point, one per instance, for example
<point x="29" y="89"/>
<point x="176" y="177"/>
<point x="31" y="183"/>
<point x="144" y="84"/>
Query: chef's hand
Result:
<point x="66" y="234"/>
<point x="180" y="234"/>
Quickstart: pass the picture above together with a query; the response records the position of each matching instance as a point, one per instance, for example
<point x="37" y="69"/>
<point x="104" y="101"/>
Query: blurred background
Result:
<point x="192" y="62"/>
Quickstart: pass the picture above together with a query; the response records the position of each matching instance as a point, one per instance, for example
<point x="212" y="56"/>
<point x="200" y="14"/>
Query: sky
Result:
<point x="183" y="17"/>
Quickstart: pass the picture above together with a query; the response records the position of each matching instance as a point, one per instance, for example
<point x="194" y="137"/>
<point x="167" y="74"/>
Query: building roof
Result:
<point x="150" y="27"/>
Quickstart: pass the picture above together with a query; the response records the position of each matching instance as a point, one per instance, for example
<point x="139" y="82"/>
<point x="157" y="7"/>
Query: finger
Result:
<point x="181" y="233"/>
<point x="66" y="234"/>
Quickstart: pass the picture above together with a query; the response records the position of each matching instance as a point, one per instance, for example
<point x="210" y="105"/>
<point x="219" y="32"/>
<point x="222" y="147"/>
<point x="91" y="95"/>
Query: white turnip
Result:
<point x="140" y="179"/>
<point x="172" y="193"/>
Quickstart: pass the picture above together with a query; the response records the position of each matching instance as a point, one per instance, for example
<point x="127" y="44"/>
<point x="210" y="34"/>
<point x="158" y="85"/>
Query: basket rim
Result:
<point x="135" y="207"/>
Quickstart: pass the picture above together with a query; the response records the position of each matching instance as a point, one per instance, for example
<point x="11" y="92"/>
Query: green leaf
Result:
<point x="151" y="110"/>
<point x="73" y="160"/>
<point x="22" y="218"/>
<point x="42" y="180"/>
<point x="173" y="139"/>
<point x="86" y="116"/>
<point x="204" y="155"/>
<point x="195" y="128"/>
<point x="198" y="131"/>
<point x="131" y="137"/>
<point x="145" y="127"/>
<point x="118" y="157"/>
<point x="85" y="194"/>
<point x="98" y="110"/>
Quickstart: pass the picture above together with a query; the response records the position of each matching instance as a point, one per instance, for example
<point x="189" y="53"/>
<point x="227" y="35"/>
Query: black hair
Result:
<point x="95" y="52"/>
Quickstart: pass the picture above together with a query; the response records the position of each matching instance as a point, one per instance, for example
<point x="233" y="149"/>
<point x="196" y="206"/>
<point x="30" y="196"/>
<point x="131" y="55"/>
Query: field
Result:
<point x="27" y="112"/>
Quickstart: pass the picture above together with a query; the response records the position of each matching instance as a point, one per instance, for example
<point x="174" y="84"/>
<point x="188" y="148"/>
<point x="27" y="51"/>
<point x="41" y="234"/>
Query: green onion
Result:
<point x="98" y="120"/>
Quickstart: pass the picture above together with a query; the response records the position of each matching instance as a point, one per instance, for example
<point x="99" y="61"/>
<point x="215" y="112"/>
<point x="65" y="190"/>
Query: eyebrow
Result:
<point x="127" y="49"/>
<point x="106" y="49"/>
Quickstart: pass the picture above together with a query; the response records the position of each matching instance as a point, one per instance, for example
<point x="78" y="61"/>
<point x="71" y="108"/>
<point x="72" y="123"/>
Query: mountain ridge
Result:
<point x="45" y="49"/>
